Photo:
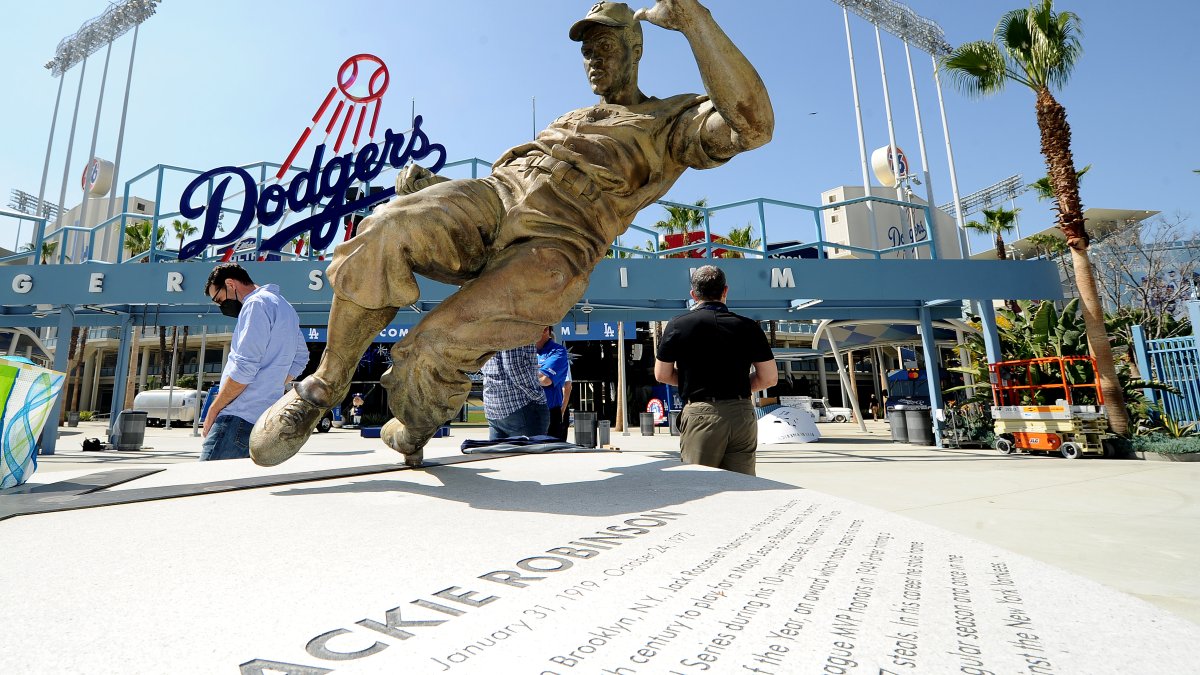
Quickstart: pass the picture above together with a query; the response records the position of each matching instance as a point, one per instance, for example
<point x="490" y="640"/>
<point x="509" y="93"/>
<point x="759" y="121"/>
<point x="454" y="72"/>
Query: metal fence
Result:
<point x="1175" y="362"/>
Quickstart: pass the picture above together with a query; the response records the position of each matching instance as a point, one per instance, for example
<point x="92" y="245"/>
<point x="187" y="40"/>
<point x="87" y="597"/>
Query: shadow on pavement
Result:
<point x="641" y="487"/>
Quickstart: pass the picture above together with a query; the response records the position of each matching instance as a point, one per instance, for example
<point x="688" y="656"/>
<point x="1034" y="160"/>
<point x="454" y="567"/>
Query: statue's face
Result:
<point x="608" y="60"/>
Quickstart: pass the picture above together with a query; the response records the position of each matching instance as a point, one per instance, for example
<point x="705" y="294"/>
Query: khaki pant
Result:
<point x="723" y="434"/>
<point x="518" y="272"/>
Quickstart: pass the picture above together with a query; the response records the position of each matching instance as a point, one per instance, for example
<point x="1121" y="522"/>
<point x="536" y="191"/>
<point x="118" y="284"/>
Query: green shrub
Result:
<point x="86" y="415"/>
<point x="1167" y="445"/>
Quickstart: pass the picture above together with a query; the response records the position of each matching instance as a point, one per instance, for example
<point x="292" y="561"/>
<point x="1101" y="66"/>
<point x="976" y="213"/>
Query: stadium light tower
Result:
<point x="74" y="49"/>
<point x="95" y="33"/>
<point x="901" y="21"/>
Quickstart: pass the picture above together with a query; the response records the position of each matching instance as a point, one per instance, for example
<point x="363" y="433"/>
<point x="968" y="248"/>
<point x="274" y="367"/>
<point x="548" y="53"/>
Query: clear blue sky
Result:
<point x="229" y="82"/>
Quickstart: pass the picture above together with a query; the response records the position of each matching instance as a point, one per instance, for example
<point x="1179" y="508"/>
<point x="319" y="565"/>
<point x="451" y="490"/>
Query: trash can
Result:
<point x="603" y="433"/>
<point x="585" y="429"/>
<point x="673" y="419"/>
<point x="919" y="423"/>
<point x="647" y="423"/>
<point x="895" y="418"/>
<point x="73" y="418"/>
<point x="130" y="430"/>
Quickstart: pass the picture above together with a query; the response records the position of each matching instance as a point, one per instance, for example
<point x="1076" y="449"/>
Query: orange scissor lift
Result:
<point x="1051" y="404"/>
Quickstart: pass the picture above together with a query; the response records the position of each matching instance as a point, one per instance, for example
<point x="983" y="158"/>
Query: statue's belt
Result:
<point x="572" y="179"/>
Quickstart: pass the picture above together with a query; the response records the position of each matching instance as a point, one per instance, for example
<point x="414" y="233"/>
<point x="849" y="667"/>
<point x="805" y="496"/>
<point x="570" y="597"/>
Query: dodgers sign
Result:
<point x="320" y="186"/>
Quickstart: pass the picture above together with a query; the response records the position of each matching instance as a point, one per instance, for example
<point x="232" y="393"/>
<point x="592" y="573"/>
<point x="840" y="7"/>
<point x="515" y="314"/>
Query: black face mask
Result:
<point x="231" y="307"/>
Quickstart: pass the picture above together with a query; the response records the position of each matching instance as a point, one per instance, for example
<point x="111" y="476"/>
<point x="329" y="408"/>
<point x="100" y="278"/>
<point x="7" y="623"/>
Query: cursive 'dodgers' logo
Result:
<point x="322" y="187"/>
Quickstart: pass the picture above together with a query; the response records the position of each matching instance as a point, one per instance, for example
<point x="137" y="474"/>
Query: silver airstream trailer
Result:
<point x="184" y="405"/>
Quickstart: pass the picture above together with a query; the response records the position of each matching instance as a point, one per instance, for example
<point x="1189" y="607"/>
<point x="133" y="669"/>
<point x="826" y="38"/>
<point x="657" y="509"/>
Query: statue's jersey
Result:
<point x="632" y="154"/>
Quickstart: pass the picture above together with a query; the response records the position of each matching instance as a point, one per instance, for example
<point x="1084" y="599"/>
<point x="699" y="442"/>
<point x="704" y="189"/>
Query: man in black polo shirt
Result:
<point x="708" y="353"/>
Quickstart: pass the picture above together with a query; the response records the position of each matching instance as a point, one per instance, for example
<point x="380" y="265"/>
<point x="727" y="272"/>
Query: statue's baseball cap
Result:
<point x="615" y="14"/>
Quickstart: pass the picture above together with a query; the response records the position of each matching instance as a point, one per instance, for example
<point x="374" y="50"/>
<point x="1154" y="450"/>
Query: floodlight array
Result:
<point x="98" y="32"/>
<point x="26" y="203"/>
<point x="900" y="20"/>
<point x="1009" y="188"/>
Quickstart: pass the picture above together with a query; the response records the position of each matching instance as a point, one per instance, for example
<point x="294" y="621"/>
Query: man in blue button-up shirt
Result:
<point x="267" y="352"/>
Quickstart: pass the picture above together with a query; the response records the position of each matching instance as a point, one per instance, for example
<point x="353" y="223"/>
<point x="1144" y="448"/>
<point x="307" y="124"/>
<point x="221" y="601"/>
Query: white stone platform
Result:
<point x="591" y="563"/>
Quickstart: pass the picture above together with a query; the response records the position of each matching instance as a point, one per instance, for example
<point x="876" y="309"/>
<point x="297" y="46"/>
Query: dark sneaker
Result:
<point x="401" y="439"/>
<point x="283" y="428"/>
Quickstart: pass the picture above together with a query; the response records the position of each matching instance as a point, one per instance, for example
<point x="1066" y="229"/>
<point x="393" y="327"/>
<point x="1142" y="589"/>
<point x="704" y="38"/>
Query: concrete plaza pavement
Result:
<point x="1129" y="524"/>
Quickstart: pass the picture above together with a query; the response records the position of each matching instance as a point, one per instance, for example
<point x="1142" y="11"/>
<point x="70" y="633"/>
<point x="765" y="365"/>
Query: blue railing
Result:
<point x="799" y="228"/>
<point x="1175" y="362"/>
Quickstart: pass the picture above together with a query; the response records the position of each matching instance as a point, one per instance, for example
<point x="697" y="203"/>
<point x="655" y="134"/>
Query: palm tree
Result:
<point x="682" y="220"/>
<point x="1045" y="190"/>
<point x="77" y="378"/>
<point x="1037" y="47"/>
<point x="72" y="352"/>
<point x="996" y="223"/>
<point x="49" y="248"/>
<point x="183" y="229"/>
<point x="1051" y="246"/>
<point x="137" y="238"/>
<point x="740" y="237"/>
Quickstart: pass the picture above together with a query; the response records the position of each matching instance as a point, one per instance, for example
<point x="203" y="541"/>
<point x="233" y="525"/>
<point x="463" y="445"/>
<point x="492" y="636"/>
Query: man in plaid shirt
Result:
<point x="513" y="401"/>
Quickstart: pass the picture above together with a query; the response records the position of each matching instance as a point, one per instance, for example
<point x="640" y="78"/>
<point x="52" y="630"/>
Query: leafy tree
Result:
<point x="1053" y="248"/>
<point x="183" y="229"/>
<point x="681" y="220"/>
<point x="742" y="238"/>
<point x="1044" y="190"/>
<point x="49" y="249"/>
<point x="73" y="353"/>
<point x="1037" y="47"/>
<point x="649" y="248"/>
<point x="137" y="238"/>
<point x="1039" y="331"/>
<point x="1150" y="272"/>
<point x="996" y="223"/>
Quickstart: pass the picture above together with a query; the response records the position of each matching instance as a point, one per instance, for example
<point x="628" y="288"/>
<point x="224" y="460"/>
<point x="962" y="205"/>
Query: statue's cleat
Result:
<point x="400" y="438"/>
<point x="283" y="428"/>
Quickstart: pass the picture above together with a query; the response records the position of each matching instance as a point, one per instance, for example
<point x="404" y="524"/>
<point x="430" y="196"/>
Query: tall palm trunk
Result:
<point x="135" y="354"/>
<point x="1002" y="254"/>
<point x="174" y="355"/>
<point x="1056" y="147"/>
<point x="183" y="349"/>
<point x="79" y="367"/>
<point x="72" y="351"/>
<point x="162" y="356"/>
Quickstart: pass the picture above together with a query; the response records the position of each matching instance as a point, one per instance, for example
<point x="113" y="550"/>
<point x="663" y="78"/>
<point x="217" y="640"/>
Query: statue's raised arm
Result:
<point x="746" y="120"/>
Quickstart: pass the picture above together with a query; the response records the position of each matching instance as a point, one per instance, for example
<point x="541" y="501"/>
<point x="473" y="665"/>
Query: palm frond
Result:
<point x="977" y="68"/>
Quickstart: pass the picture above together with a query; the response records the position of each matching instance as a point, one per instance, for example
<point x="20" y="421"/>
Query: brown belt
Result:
<point x="565" y="174"/>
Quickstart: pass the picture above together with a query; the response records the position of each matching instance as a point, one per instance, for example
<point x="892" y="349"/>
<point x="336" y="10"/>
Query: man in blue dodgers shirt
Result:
<point x="553" y="366"/>
<point x="268" y="350"/>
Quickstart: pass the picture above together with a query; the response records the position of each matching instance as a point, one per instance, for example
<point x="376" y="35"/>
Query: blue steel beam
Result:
<point x="614" y="282"/>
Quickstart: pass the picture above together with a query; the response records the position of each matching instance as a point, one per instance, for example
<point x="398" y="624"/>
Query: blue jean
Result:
<point x="229" y="438"/>
<point x="530" y="420"/>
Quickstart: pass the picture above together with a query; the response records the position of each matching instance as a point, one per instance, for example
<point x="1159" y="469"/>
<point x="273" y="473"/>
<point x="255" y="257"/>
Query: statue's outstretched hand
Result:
<point x="670" y="14"/>
<point x="415" y="177"/>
